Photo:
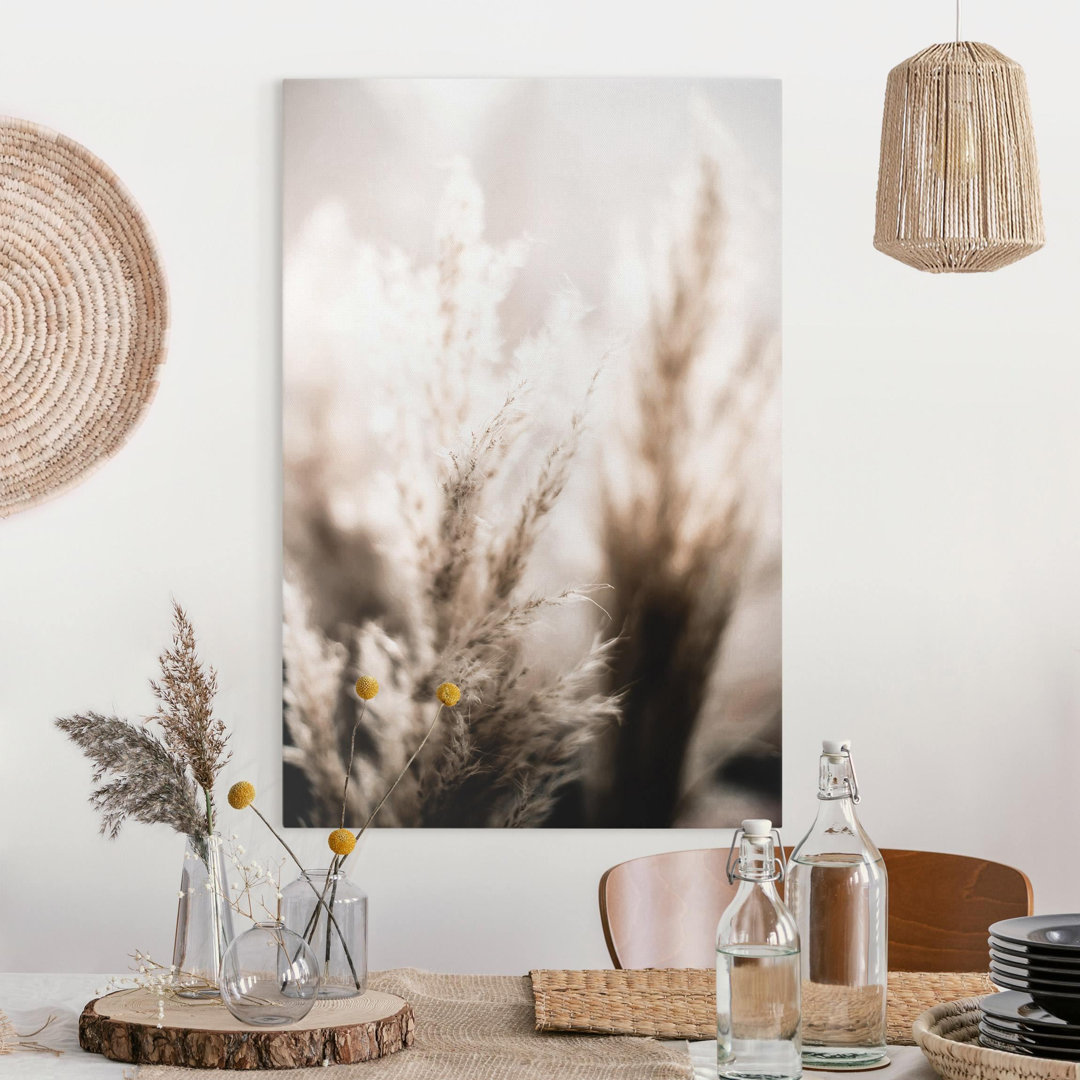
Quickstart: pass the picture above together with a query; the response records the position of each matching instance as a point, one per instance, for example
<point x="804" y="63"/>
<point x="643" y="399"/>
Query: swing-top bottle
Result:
<point x="757" y="966"/>
<point x="837" y="891"/>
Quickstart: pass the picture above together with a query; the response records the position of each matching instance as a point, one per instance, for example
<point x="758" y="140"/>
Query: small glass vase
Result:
<point x="269" y="976"/>
<point x="204" y="926"/>
<point x="340" y="943"/>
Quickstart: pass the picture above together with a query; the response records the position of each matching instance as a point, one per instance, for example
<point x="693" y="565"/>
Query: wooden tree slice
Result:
<point x="205" y="1035"/>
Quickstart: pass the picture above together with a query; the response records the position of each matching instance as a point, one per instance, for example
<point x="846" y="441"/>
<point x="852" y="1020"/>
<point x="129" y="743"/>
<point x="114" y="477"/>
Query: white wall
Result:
<point x="932" y="565"/>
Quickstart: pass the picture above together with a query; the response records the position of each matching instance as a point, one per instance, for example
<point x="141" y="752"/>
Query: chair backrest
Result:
<point x="662" y="910"/>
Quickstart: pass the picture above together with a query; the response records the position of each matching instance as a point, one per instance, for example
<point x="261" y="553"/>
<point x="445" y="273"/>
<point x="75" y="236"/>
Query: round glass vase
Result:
<point x="336" y="928"/>
<point x="204" y="926"/>
<point x="269" y="976"/>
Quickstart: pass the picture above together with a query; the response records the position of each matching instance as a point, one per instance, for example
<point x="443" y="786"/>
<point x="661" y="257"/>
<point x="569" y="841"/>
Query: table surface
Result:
<point x="30" y="999"/>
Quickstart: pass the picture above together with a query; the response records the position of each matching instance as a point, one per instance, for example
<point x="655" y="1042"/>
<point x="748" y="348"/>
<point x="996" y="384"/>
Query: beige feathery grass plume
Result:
<point x="168" y="780"/>
<point x="185" y="712"/>
<point x="315" y="672"/>
<point x="144" y="781"/>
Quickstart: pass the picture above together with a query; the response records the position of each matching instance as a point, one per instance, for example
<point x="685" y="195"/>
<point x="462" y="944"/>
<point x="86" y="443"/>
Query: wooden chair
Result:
<point x="662" y="910"/>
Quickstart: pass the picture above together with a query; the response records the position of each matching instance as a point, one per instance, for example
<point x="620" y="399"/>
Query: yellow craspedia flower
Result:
<point x="341" y="842"/>
<point x="449" y="694"/>
<point x="367" y="687"/>
<point x="241" y="794"/>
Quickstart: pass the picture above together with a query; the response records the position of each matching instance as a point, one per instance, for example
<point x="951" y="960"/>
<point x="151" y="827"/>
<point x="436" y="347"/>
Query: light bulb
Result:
<point x="956" y="153"/>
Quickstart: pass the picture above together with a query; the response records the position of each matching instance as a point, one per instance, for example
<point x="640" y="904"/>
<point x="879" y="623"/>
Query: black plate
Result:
<point x="1021" y="1008"/>
<point x="1052" y="1053"/>
<point x="1057" y="981"/>
<point x="1047" y="964"/>
<point x="1033" y="953"/>
<point x="1056" y="1002"/>
<point x="1037" y="989"/>
<point x="999" y="1030"/>
<point x="1059" y="933"/>
<point x="1036" y="956"/>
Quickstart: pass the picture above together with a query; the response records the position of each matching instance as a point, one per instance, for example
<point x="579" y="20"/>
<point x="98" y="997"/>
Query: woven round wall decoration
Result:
<point x="83" y="314"/>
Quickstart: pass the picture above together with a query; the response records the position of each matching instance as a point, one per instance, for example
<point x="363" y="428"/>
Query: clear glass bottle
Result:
<point x="204" y="926"/>
<point x="269" y="976"/>
<point x="757" y="967"/>
<point x="837" y="889"/>
<point x="340" y="945"/>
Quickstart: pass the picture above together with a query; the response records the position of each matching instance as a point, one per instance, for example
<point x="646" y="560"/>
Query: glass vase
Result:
<point x="204" y="926"/>
<point x="339" y="942"/>
<point x="269" y="976"/>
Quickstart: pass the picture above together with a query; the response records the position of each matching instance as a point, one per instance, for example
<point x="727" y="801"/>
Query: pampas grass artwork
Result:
<point x="504" y="368"/>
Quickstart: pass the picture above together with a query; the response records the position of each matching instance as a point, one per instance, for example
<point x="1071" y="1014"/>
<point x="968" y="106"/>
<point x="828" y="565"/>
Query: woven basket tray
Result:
<point x="949" y="1037"/>
<point x="680" y="1003"/>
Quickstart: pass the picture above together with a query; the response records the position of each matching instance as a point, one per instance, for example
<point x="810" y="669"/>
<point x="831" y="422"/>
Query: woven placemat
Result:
<point x="680" y="1003"/>
<point x="83" y="314"/>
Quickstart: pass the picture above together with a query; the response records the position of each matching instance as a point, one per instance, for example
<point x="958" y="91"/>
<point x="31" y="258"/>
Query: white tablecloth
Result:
<point x="29" y="999"/>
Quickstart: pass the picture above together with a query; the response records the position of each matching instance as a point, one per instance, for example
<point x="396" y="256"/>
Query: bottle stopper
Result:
<point x="836" y="746"/>
<point x="757" y="827"/>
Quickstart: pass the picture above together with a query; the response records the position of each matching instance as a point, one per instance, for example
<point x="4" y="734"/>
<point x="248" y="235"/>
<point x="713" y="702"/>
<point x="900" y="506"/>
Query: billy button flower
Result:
<point x="367" y="687"/>
<point x="241" y="795"/>
<point x="449" y="694"/>
<point x="341" y="842"/>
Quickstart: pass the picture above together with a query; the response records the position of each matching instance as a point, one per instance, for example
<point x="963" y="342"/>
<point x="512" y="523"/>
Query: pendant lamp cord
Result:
<point x="958" y="2"/>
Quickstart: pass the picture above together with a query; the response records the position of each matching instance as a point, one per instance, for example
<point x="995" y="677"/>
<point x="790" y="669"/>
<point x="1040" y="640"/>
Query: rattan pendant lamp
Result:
<point x="958" y="184"/>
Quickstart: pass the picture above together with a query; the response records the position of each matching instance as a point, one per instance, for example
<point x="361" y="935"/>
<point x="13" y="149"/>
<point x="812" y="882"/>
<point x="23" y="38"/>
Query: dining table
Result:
<point x="56" y="1001"/>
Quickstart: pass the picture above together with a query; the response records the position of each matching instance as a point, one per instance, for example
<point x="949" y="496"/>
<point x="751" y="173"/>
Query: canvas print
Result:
<point x="532" y="446"/>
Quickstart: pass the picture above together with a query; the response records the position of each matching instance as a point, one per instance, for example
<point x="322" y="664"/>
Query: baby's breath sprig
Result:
<point x="250" y="882"/>
<point x="161" y="980"/>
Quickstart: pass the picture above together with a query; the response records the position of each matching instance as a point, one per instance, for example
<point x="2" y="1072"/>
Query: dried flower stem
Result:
<point x="408" y="765"/>
<point x="352" y="755"/>
<point x="10" y="1039"/>
<point x="318" y="895"/>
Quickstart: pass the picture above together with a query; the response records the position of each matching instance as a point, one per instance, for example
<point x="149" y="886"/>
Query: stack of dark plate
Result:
<point x="1036" y="962"/>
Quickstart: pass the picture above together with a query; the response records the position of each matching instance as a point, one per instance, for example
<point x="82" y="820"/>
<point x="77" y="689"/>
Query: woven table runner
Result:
<point x="482" y="1027"/>
<point x="680" y="1003"/>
